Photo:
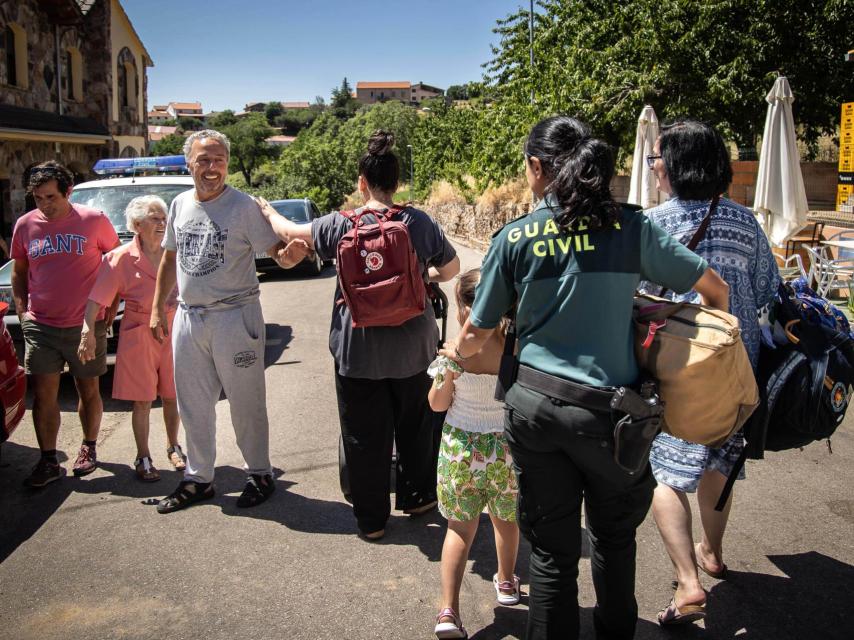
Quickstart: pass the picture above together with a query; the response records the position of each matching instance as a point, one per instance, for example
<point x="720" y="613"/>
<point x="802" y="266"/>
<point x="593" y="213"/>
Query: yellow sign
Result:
<point x="843" y="193"/>
<point x="846" y="158"/>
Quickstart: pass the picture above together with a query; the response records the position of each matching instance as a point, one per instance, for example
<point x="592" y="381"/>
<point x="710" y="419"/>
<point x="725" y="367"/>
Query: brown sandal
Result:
<point x="177" y="457"/>
<point x="145" y="470"/>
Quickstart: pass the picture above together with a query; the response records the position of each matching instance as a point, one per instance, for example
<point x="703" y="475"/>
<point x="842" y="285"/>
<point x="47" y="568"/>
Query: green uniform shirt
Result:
<point x="574" y="292"/>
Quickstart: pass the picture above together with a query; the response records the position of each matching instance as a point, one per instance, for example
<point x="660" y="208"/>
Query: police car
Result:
<point x="124" y="179"/>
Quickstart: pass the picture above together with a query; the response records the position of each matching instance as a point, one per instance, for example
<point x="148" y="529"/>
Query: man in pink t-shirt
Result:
<point x="57" y="250"/>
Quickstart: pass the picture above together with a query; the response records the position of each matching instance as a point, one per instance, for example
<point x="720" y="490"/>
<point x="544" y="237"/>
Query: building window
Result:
<point x="11" y="68"/>
<point x="126" y="80"/>
<point x="123" y="86"/>
<point x="72" y="77"/>
<point x="15" y="41"/>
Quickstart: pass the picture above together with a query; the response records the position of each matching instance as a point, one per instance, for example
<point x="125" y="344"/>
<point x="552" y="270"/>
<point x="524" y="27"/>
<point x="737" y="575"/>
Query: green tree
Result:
<point x="222" y="119"/>
<point x="171" y="145"/>
<point x="186" y="123"/>
<point x="322" y="162"/>
<point x="292" y="121"/>
<point x="273" y="110"/>
<point x="249" y="149"/>
<point x="343" y="104"/>
<point x="457" y="92"/>
<point x="604" y="59"/>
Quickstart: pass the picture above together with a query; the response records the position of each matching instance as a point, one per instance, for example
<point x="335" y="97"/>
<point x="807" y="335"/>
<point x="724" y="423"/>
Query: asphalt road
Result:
<point x="91" y="558"/>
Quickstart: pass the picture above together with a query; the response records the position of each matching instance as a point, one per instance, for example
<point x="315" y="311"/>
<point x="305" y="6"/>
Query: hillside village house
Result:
<point x="261" y="107"/>
<point x="157" y="132"/>
<point x="177" y="110"/>
<point x="421" y="92"/>
<point x="372" y="92"/>
<point x="72" y="88"/>
<point x="157" y="115"/>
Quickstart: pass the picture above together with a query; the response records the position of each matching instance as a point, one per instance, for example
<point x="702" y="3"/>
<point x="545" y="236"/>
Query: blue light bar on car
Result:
<point x="130" y="166"/>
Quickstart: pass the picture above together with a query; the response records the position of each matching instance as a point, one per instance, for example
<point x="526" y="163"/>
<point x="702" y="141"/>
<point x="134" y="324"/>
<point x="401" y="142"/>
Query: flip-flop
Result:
<point x="672" y="615"/>
<point x="717" y="575"/>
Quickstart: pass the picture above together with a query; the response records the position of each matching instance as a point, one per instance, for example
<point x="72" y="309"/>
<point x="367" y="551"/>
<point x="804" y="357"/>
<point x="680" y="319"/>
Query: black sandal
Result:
<point x="183" y="496"/>
<point x="258" y="488"/>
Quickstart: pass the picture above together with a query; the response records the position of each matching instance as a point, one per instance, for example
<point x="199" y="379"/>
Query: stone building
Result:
<point x="372" y="92"/>
<point x="177" y="110"/>
<point x="72" y="89"/>
<point x="422" y="92"/>
<point x="413" y="94"/>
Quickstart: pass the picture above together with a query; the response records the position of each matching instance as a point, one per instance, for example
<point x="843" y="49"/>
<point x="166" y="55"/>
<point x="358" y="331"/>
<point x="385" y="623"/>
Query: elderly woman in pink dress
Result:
<point x="144" y="366"/>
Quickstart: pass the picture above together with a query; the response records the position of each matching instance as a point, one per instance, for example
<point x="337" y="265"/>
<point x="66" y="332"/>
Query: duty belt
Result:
<point x="593" y="398"/>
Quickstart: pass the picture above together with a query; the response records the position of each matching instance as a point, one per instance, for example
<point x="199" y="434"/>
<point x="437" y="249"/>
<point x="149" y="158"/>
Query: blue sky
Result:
<point x="227" y="53"/>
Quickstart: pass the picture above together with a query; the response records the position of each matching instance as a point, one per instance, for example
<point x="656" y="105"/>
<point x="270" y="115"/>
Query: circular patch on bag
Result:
<point x="838" y="397"/>
<point x="374" y="261"/>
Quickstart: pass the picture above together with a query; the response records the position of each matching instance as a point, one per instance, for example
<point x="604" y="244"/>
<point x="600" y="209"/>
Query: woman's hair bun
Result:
<point x="380" y="143"/>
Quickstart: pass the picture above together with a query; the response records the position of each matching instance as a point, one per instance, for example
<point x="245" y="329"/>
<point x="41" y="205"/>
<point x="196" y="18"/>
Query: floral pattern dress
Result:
<point x="475" y="465"/>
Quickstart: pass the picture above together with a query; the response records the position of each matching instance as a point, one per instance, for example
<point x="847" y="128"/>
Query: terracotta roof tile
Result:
<point x="383" y="85"/>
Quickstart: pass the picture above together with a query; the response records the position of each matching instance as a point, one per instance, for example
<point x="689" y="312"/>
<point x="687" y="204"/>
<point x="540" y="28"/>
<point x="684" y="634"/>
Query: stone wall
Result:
<point x="16" y="158"/>
<point x="90" y="38"/>
<point x="476" y="224"/>
<point x="819" y="182"/>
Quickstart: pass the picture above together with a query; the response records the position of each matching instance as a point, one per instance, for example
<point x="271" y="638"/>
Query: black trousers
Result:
<point x="563" y="455"/>
<point x="375" y="414"/>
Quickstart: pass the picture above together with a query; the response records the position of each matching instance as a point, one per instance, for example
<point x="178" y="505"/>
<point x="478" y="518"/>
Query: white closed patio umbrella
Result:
<point x="642" y="189"/>
<point x="781" y="201"/>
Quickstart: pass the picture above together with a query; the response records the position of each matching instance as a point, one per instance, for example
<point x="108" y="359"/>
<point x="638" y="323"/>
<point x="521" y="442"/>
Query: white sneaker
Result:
<point x="507" y="599"/>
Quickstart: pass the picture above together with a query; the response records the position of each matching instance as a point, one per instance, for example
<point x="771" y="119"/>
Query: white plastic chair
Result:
<point x="843" y="253"/>
<point x="792" y="267"/>
<point x="827" y="273"/>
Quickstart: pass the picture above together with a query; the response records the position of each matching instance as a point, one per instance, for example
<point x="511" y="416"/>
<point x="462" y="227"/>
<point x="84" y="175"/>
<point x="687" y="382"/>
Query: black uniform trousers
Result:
<point x="563" y="454"/>
<point x="376" y="414"/>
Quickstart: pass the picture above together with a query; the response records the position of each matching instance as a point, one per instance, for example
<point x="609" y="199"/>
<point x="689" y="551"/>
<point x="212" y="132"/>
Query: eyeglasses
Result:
<point x="650" y="160"/>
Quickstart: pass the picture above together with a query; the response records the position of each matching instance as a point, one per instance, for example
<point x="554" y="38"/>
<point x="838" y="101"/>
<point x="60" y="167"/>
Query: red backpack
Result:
<point x="378" y="271"/>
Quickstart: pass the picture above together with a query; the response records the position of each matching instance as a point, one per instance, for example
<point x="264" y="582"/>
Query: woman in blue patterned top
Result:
<point x="692" y="164"/>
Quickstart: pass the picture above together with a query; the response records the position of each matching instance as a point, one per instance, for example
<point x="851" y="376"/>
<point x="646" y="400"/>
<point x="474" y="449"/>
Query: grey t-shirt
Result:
<point x="384" y="352"/>
<point x="216" y="242"/>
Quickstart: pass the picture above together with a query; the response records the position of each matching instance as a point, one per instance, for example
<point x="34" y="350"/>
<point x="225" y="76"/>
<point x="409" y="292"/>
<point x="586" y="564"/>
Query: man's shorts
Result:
<point x="475" y="471"/>
<point x="680" y="464"/>
<point x="49" y="349"/>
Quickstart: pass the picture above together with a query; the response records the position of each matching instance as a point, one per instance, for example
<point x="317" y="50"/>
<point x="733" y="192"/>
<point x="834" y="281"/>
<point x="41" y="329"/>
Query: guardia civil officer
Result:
<point x="571" y="267"/>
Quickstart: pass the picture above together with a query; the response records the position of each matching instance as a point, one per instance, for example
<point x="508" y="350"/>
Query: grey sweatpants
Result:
<point x="221" y="349"/>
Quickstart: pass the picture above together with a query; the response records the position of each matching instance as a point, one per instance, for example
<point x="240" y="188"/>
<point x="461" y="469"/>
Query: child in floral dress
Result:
<point x="474" y="467"/>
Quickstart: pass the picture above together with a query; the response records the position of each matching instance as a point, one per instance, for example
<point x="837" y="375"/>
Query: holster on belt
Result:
<point x="637" y="428"/>
<point x="509" y="366"/>
<point x="636" y="415"/>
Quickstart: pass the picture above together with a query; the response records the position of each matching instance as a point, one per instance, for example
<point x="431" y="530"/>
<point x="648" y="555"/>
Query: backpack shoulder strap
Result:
<point x="704" y="225"/>
<point x="819" y="371"/>
<point x="389" y="213"/>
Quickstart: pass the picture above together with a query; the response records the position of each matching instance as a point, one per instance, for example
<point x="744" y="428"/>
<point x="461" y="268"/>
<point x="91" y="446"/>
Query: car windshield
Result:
<point x="113" y="199"/>
<point x="295" y="211"/>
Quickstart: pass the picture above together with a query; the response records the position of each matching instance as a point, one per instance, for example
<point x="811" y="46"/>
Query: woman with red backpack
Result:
<point x="381" y="376"/>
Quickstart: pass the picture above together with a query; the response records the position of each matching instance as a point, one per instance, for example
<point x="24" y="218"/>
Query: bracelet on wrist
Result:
<point x="459" y="355"/>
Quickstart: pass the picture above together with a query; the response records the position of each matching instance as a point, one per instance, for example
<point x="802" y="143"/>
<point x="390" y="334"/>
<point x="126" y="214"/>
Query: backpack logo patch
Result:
<point x="838" y="397"/>
<point x="374" y="261"/>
